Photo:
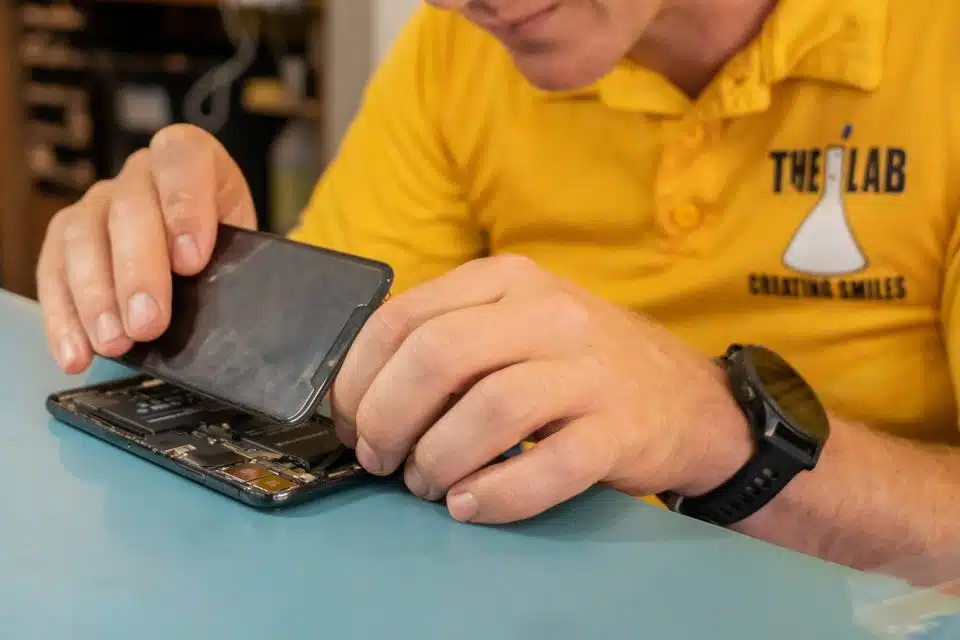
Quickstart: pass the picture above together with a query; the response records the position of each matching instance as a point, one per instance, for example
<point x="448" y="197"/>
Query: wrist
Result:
<point x="729" y="445"/>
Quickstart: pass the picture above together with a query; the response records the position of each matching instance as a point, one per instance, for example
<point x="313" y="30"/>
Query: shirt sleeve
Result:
<point x="950" y="310"/>
<point x="950" y="296"/>
<point x="392" y="192"/>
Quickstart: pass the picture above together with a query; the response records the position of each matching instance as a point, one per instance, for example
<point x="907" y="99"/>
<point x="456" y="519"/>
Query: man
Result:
<point x="585" y="201"/>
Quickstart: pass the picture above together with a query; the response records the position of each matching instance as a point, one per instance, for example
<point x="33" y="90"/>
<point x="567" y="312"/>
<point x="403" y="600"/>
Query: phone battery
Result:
<point x="308" y="444"/>
<point x="160" y="410"/>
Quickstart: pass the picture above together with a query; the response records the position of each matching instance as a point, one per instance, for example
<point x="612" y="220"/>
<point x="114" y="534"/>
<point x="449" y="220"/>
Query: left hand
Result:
<point x="449" y="375"/>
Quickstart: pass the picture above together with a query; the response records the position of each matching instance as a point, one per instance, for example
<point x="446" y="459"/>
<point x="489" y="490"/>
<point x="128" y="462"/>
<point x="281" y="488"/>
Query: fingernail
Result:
<point x="367" y="458"/>
<point x="109" y="328"/>
<point x="414" y="481"/>
<point x="68" y="351"/>
<point x="141" y="310"/>
<point x="186" y="251"/>
<point x="462" y="506"/>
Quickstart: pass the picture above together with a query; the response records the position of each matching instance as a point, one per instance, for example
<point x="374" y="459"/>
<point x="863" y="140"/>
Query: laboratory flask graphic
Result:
<point x="824" y="245"/>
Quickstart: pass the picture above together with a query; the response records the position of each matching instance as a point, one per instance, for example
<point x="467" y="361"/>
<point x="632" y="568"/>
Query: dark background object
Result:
<point x="76" y="66"/>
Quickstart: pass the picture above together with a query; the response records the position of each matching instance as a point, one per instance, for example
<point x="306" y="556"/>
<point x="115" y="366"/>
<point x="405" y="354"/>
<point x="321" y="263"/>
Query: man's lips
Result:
<point x="530" y="24"/>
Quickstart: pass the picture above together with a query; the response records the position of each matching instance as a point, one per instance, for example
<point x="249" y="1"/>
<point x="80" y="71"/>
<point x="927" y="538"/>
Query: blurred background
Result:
<point x="88" y="82"/>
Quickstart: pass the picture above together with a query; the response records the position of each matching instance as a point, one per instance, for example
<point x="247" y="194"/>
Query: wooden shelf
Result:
<point x="25" y="209"/>
<point x="312" y="109"/>
<point x="265" y="96"/>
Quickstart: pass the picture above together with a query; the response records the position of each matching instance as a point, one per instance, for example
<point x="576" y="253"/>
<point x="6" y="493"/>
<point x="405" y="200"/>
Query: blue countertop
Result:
<point x="97" y="543"/>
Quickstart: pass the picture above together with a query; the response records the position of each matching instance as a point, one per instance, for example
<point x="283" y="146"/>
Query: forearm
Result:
<point x="874" y="501"/>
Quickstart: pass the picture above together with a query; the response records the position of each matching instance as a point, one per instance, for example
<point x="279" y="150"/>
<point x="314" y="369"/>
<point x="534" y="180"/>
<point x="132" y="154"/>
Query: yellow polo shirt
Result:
<point x="807" y="201"/>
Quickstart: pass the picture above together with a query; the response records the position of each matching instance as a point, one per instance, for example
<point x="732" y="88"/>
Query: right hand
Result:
<point x="104" y="273"/>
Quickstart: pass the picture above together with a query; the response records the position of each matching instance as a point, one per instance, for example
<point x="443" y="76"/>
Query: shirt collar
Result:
<point x="831" y="41"/>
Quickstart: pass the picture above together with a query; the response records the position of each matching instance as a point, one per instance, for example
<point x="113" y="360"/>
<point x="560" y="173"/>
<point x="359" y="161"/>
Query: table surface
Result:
<point x="96" y="543"/>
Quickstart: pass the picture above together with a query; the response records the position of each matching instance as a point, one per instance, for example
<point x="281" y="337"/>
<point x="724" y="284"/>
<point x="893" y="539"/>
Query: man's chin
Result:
<point x="557" y="72"/>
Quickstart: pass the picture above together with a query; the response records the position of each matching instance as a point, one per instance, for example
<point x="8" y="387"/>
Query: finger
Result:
<point x="476" y="283"/>
<point x="138" y="245"/>
<point x="65" y="334"/>
<point x="553" y="471"/>
<point x="199" y="185"/>
<point x="89" y="272"/>
<point x="444" y="356"/>
<point x="496" y="414"/>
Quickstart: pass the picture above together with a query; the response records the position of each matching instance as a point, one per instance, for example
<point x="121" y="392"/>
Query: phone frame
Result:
<point x="57" y="407"/>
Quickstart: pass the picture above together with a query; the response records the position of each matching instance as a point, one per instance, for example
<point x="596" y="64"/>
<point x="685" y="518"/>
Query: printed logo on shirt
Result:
<point x="824" y="252"/>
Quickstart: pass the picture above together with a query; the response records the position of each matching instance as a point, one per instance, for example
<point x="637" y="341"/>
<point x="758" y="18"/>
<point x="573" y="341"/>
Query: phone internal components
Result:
<point x="273" y="483"/>
<point x="227" y="444"/>
<point x="193" y="449"/>
<point x="309" y="444"/>
<point x="157" y="409"/>
<point x="247" y="472"/>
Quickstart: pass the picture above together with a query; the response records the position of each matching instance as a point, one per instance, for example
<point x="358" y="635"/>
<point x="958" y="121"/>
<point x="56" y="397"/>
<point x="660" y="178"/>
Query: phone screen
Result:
<point x="266" y="324"/>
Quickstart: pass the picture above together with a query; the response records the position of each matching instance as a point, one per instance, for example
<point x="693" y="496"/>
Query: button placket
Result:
<point x="679" y="211"/>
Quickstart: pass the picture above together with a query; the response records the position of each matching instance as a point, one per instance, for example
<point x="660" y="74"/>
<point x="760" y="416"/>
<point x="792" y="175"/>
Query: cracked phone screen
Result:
<point x="265" y="325"/>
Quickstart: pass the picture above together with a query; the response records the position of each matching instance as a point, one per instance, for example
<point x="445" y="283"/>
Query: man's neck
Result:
<point x="691" y="40"/>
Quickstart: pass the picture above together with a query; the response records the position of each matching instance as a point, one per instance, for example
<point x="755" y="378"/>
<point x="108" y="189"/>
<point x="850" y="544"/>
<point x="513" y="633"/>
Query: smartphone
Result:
<point x="229" y="394"/>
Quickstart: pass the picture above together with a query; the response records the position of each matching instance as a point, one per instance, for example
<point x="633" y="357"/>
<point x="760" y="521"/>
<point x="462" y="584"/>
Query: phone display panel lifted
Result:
<point x="265" y="325"/>
<point x="260" y="463"/>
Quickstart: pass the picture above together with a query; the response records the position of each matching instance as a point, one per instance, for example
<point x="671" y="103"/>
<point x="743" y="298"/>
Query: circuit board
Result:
<point x="244" y="451"/>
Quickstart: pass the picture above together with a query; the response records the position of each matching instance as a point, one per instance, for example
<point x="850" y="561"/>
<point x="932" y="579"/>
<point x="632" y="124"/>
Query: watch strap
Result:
<point x="754" y="485"/>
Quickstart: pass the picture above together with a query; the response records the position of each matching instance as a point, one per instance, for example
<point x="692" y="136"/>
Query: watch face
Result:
<point x="790" y="392"/>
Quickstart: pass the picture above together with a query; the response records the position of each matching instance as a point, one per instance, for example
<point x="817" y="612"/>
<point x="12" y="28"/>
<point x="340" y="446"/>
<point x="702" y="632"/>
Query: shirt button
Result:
<point x="687" y="217"/>
<point x="694" y="136"/>
<point x="739" y="70"/>
<point x="738" y="78"/>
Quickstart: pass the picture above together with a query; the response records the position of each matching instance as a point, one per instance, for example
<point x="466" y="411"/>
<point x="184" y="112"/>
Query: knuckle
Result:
<point x="74" y="227"/>
<point x="573" y="461"/>
<point x="516" y="266"/>
<point x="177" y="210"/>
<point x="75" y="222"/>
<point x="90" y="287"/>
<point x="565" y="311"/>
<point x="434" y="350"/>
<point x="393" y="322"/>
<point x="98" y="191"/>
<point x="136" y="161"/>
<point x="499" y="404"/>
<point x="121" y="208"/>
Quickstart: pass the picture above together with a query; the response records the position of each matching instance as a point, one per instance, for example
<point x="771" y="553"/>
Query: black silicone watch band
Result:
<point x="745" y="493"/>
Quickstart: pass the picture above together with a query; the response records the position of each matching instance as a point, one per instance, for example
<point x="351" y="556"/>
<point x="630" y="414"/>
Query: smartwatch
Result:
<point x="789" y="426"/>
